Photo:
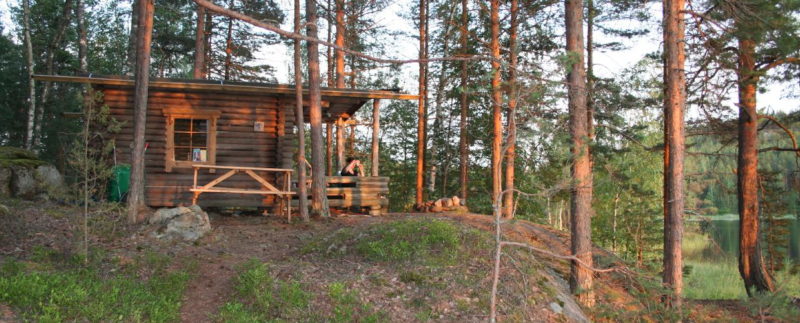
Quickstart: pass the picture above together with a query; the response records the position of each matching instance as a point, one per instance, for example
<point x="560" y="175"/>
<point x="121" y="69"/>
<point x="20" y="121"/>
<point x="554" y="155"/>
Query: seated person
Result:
<point x="353" y="168"/>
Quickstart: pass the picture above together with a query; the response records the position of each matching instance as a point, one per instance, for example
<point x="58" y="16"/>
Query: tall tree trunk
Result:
<point x="340" y="80"/>
<point x="497" y="102"/>
<point x="674" y="106"/>
<point x="26" y="17"/>
<point x="751" y="263"/>
<point x="134" y="32"/>
<point x="340" y="31"/>
<point x="229" y="46"/>
<point x="376" y="128"/>
<point x="329" y="57"/>
<point x="209" y="28"/>
<point x="136" y="198"/>
<point x="508" y="198"/>
<point x="340" y="143"/>
<point x="200" y="44"/>
<point x="319" y="200"/>
<point x="83" y="43"/>
<point x="52" y="47"/>
<point x="422" y="113"/>
<point x="590" y="13"/>
<point x="302" y="196"/>
<point x="463" y="147"/>
<point x="581" y="204"/>
<point x="438" y="139"/>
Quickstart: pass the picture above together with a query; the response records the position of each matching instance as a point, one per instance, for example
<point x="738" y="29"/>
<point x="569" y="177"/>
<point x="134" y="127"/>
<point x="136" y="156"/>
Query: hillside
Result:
<point x="399" y="267"/>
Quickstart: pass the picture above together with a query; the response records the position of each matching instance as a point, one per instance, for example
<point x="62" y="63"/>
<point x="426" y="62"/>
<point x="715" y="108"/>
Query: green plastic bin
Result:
<point x="120" y="182"/>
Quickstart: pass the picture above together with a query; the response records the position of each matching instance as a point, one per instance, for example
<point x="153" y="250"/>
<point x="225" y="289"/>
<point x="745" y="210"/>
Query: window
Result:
<point x="190" y="137"/>
<point x="191" y="140"/>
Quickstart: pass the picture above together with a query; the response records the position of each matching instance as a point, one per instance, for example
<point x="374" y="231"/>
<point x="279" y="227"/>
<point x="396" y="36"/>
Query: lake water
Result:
<point x="724" y="229"/>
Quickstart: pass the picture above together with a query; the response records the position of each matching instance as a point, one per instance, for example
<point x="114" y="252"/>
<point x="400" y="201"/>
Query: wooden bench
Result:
<point x="361" y="191"/>
<point x="267" y="188"/>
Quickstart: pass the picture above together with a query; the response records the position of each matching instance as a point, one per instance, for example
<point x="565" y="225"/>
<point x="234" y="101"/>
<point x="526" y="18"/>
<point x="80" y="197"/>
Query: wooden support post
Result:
<point x="376" y="128"/>
<point x="329" y="148"/>
<point x="340" y="143"/>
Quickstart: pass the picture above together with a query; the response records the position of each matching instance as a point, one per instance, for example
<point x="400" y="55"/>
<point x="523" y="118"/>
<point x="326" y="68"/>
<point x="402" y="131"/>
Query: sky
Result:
<point x="607" y="64"/>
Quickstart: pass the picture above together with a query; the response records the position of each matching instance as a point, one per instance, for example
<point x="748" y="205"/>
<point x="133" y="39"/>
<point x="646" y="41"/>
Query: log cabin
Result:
<point x="194" y="123"/>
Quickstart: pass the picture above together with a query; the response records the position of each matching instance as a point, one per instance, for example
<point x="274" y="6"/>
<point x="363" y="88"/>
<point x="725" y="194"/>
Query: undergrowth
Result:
<point x="442" y="266"/>
<point x="431" y="241"/>
<point x="58" y="288"/>
<point x="713" y="274"/>
<point x="263" y="298"/>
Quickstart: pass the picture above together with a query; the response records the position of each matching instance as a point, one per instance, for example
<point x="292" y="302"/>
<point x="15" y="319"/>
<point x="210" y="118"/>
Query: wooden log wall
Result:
<point x="238" y="144"/>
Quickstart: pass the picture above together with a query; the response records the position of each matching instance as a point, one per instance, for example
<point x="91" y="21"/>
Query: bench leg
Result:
<point x="194" y="198"/>
<point x="288" y="202"/>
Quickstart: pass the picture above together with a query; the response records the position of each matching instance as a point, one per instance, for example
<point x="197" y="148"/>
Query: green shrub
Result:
<point x="263" y="298"/>
<point x="80" y="294"/>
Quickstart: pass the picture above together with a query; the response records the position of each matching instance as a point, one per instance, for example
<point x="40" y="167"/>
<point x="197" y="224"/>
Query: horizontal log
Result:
<point x="356" y="190"/>
<point x="188" y="95"/>
<point x="230" y="202"/>
<point x="195" y="98"/>
<point x="226" y="120"/>
<point x="157" y="106"/>
<point x="356" y="179"/>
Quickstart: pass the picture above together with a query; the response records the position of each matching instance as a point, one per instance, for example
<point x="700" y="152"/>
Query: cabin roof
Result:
<point x="336" y="101"/>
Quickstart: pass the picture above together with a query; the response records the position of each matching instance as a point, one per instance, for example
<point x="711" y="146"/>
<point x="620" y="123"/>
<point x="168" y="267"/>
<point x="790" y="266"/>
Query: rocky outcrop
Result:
<point x="186" y="223"/>
<point x="22" y="175"/>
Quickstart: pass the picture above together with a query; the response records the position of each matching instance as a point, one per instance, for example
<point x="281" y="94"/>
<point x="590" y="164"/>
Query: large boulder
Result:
<point x="23" y="175"/>
<point x="49" y="177"/>
<point x="186" y="223"/>
<point x="23" y="182"/>
<point x="5" y="181"/>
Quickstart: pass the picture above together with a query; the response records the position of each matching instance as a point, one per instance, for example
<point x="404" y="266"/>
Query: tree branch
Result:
<point x="288" y="34"/>
<point x="786" y="130"/>
<point x="777" y="62"/>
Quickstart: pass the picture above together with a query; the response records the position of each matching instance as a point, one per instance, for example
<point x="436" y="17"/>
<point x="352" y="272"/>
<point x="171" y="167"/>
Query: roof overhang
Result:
<point x="339" y="101"/>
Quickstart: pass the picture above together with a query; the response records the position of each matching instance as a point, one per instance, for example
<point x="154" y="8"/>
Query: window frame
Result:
<point x="211" y="137"/>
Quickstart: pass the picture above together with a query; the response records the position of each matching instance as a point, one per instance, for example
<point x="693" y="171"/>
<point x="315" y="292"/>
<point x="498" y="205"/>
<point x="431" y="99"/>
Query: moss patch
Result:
<point x="12" y="156"/>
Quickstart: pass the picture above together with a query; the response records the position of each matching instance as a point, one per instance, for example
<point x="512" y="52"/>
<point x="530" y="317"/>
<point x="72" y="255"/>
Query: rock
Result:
<point x="5" y="181"/>
<point x="49" y="176"/>
<point x="23" y="183"/>
<point x="161" y="216"/>
<point x="188" y="223"/>
<point x="50" y="181"/>
<point x="556" y="308"/>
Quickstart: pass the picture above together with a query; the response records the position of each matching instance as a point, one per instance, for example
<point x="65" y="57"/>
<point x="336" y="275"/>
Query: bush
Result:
<point x="81" y="294"/>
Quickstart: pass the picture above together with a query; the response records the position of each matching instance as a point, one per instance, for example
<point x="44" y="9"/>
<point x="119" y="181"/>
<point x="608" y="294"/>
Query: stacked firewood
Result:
<point x="447" y="204"/>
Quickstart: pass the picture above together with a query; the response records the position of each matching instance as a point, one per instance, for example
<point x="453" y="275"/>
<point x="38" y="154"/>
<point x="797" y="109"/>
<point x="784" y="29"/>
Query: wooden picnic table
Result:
<point x="267" y="188"/>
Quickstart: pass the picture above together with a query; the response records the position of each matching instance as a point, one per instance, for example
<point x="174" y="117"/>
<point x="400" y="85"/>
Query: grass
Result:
<point x="67" y="291"/>
<point x="263" y="298"/>
<point x="431" y="241"/>
<point x="712" y="274"/>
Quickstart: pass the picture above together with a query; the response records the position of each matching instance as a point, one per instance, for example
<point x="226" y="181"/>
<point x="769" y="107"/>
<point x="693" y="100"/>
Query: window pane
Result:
<point x="199" y="125"/>
<point x="182" y="139"/>
<point x="183" y="154"/>
<point x="182" y="124"/>
<point x="199" y="140"/>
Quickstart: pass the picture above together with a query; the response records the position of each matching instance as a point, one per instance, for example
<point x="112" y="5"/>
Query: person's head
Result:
<point x="351" y="159"/>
